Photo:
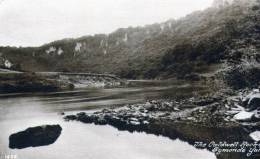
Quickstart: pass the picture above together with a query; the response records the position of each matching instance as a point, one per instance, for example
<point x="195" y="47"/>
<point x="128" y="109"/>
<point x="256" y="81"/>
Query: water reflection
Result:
<point x="20" y="111"/>
<point x="85" y="141"/>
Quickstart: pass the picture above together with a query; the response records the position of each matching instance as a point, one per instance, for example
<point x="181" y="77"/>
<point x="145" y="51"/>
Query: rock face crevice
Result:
<point x="35" y="136"/>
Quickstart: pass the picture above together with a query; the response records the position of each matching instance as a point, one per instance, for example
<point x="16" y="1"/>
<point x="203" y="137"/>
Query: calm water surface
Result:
<point x="87" y="141"/>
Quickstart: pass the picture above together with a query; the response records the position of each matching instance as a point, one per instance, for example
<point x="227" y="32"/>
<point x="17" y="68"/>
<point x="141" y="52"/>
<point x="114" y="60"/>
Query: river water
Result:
<point x="88" y="141"/>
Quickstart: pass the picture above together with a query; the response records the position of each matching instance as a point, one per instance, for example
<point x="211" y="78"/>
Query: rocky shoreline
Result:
<point x="210" y="118"/>
<point x="84" y="80"/>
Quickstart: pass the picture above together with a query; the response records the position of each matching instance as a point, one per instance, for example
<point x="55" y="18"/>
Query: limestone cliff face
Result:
<point x="221" y="3"/>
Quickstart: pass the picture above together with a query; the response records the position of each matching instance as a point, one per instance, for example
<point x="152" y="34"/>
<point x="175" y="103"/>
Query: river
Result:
<point x="20" y="111"/>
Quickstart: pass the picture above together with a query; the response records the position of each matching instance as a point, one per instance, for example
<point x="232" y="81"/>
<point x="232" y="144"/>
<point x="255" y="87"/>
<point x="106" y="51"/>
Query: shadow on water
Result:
<point x="194" y="134"/>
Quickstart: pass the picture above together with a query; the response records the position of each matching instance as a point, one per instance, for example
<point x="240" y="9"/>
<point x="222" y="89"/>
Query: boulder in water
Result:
<point x="35" y="136"/>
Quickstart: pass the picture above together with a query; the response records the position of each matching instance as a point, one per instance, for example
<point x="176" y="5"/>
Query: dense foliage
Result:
<point x="177" y="48"/>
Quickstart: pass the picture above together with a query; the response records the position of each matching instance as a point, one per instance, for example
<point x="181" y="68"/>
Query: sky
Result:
<point x="35" y="22"/>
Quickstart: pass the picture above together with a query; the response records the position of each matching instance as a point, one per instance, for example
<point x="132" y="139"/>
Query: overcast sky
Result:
<point x="35" y="22"/>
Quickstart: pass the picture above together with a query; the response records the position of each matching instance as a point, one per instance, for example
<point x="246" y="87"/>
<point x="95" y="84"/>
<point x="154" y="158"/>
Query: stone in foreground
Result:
<point x="244" y="116"/>
<point x="255" y="135"/>
<point x="35" y="136"/>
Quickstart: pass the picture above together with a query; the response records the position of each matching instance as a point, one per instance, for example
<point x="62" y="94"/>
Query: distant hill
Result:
<point x="221" y="35"/>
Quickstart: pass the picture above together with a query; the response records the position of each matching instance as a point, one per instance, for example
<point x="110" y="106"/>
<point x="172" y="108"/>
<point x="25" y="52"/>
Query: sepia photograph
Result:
<point x="129" y="79"/>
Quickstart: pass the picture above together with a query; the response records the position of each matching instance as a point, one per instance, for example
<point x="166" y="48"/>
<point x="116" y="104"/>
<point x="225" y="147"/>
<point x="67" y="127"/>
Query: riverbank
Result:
<point x="13" y="81"/>
<point x="85" y="80"/>
<point x="197" y="119"/>
<point x="29" y="82"/>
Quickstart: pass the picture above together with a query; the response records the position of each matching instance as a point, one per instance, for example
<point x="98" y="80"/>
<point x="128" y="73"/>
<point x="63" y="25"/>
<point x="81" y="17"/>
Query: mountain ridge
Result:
<point x="142" y="52"/>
